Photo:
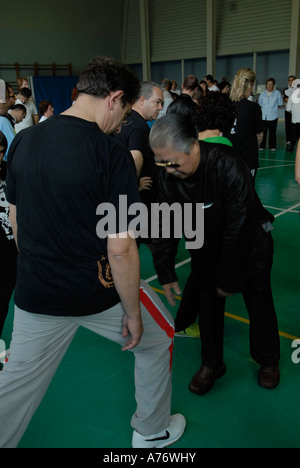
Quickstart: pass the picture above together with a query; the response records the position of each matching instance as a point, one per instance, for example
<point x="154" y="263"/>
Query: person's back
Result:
<point x="244" y="133"/>
<point x="83" y="164"/>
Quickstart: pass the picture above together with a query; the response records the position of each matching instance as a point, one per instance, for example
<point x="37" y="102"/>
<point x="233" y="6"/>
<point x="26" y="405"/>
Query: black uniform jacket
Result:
<point x="235" y="222"/>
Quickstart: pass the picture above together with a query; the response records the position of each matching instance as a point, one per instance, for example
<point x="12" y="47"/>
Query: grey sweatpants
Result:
<point x="39" y="343"/>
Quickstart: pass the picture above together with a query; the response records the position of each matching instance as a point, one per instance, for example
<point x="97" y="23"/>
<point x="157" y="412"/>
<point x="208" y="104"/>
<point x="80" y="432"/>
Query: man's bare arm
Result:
<point x="138" y="161"/>
<point x="124" y="261"/>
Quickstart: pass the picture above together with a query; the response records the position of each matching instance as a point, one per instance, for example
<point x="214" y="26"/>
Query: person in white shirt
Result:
<point x="46" y="110"/>
<point x="166" y="86"/>
<point x="287" y="115"/>
<point x="32" y="116"/>
<point x="210" y="83"/>
<point x="293" y="106"/>
<point x="270" y="100"/>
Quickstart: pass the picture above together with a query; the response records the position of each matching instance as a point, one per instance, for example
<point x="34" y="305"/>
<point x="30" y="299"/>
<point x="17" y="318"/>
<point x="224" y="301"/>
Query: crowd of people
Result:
<point x="202" y="149"/>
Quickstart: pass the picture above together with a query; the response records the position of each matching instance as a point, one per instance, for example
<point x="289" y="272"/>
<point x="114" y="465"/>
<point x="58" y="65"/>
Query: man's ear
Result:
<point x="114" y="96"/>
<point x="142" y="100"/>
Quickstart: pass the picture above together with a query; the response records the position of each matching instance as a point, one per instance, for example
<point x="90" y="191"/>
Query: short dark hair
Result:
<point x="190" y="82"/>
<point x="104" y="75"/>
<point x="20" y="107"/>
<point x="209" y="78"/>
<point x="43" y="106"/>
<point x="185" y="106"/>
<point x="26" y="93"/>
<point x="271" y="79"/>
<point x="216" y="112"/>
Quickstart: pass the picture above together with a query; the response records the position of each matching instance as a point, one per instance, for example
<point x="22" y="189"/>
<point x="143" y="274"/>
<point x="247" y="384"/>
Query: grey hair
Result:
<point x="174" y="131"/>
<point x="146" y="89"/>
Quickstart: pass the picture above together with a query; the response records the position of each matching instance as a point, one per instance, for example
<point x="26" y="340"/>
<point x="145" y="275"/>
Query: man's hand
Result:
<point x="169" y="290"/>
<point x="145" y="183"/>
<point x="133" y="327"/>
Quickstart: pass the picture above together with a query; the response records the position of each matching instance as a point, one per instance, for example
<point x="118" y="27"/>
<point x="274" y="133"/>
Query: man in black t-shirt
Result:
<point x="70" y="272"/>
<point x="134" y="134"/>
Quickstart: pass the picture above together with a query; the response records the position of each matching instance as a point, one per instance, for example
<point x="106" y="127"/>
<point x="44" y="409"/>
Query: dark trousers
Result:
<point x="288" y="126"/>
<point x="271" y="127"/>
<point x="7" y="285"/>
<point x="200" y="299"/>
<point x="295" y="133"/>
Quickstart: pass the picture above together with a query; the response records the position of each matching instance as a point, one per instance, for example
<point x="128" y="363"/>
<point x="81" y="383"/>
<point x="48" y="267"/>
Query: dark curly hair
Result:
<point x="104" y="75"/>
<point x="216" y="112"/>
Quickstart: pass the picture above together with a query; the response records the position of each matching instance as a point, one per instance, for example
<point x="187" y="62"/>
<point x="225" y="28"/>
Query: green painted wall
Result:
<point x="59" y="31"/>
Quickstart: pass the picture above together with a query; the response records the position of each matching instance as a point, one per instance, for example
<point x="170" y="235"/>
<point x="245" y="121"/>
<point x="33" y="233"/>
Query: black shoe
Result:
<point x="269" y="377"/>
<point x="205" y="378"/>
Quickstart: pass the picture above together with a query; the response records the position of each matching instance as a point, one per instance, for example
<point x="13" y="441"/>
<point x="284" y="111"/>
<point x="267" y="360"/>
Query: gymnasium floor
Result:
<point x="91" y="398"/>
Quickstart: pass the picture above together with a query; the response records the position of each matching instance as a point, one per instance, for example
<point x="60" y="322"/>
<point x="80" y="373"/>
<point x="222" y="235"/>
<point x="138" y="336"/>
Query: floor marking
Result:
<point x="176" y="266"/>
<point x="237" y="318"/>
<point x="287" y="211"/>
<point x="272" y="167"/>
<point x="280" y="209"/>
<point x="277" y="160"/>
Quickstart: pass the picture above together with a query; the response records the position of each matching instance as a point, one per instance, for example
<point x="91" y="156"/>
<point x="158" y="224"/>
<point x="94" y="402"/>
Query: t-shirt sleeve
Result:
<point x="138" y="140"/>
<point x="123" y="190"/>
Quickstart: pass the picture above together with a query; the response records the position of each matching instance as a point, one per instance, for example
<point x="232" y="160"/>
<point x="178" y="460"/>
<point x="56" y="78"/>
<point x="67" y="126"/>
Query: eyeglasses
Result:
<point x="13" y="96"/>
<point x="167" y="164"/>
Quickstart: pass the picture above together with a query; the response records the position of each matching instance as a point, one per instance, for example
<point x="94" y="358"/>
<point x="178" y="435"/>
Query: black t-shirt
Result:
<point x="59" y="172"/>
<point x="244" y="132"/>
<point x="135" y="136"/>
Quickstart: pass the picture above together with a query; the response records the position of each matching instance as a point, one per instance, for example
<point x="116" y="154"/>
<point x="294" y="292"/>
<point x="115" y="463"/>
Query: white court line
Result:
<point x="278" y="160"/>
<point x="289" y="210"/>
<point x="176" y="266"/>
<point x="279" y="209"/>
<point x="279" y="165"/>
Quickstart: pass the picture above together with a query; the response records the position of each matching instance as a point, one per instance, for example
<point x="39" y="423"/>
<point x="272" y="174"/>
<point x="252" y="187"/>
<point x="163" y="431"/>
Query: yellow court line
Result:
<point x="236" y="317"/>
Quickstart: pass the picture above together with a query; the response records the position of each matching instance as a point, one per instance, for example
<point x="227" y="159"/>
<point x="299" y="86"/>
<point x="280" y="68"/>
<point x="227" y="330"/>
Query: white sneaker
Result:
<point x="164" y="438"/>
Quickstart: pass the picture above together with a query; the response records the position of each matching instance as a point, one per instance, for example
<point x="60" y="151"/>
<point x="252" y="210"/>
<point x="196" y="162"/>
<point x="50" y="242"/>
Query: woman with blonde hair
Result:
<point x="242" y="84"/>
<point x="247" y="132"/>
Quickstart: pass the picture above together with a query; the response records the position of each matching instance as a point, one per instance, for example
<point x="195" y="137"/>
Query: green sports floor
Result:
<point x="90" y="401"/>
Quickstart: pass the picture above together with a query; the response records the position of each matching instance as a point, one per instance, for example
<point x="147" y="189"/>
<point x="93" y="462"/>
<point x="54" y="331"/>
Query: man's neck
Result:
<point x="209" y="134"/>
<point x="138" y="109"/>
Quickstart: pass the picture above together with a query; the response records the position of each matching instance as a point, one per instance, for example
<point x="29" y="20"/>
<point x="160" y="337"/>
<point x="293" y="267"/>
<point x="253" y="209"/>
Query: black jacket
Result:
<point x="233" y="219"/>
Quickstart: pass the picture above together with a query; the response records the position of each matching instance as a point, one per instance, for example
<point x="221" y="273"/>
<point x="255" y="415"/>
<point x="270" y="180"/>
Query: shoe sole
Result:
<point x="210" y="386"/>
